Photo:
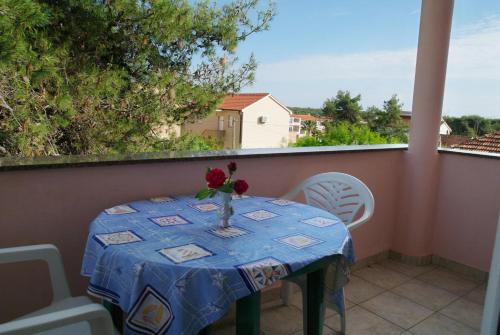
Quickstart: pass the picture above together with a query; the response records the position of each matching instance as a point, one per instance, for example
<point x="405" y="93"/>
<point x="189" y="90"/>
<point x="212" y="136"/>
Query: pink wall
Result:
<point x="416" y="210"/>
<point x="57" y="205"/>
<point x="467" y="209"/>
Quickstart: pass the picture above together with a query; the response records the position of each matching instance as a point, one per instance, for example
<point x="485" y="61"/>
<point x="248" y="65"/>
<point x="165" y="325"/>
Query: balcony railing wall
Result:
<point x="56" y="205"/>
<point x="468" y="205"/>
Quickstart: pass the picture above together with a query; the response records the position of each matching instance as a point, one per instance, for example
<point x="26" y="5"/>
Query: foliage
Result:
<point x="306" y="110"/>
<point x="86" y="76"/>
<point x="343" y="107"/>
<point x="472" y="125"/>
<point x="343" y="133"/>
<point x="387" y="121"/>
<point x="309" y="126"/>
<point x="188" y="142"/>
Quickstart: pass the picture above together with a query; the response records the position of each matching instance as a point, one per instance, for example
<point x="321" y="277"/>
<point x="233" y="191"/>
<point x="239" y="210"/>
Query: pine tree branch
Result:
<point x="4" y="104"/>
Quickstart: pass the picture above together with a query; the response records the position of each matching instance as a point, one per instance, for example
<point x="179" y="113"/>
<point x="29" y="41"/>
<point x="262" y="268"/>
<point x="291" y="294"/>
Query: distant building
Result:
<point x="444" y="129"/>
<point x="296" y="128"/>
<point x="488" y="143"/>
<point x="246" y="120"/>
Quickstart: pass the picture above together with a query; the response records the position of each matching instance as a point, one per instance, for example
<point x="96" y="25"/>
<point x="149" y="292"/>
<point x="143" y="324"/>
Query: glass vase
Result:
<point x="226" y="210"/>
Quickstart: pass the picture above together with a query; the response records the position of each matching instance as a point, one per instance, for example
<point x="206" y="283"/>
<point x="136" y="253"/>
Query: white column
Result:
<point x="420" y="176"/>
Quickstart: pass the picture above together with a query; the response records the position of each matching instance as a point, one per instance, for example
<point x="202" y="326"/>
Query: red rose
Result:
<point x="215" y="178"/>
<point x="231" y="167"/>
<point x="240" y="186"/>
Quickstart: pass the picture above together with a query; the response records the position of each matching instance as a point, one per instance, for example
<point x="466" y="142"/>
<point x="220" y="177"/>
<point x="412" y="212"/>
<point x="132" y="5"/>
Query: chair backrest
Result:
<point x="338" y="193"/>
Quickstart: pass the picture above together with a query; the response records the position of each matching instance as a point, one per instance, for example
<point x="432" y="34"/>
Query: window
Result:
<point x="221" y="123"/>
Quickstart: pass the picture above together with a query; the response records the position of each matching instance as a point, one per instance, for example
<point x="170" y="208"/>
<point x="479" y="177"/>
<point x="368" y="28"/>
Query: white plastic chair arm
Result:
<point x="44" y="252"/>
<point x="97" y="316"/>
<point x="365" y="217"/>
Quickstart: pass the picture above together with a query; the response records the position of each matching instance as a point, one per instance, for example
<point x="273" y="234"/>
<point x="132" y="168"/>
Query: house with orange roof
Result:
<point x="246" y="120"/>
<point x="297" y="129"/>
<point x="486" y="143"/>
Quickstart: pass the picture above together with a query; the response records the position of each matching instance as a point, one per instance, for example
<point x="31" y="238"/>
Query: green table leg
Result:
<point x="116" y="315"/>
<point x="248" y="315"/>
<point x="315" y="304"/>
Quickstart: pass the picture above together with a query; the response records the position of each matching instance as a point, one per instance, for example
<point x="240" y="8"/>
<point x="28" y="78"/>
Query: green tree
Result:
<point x="86" y="76"/>
<point x="392" y="109"/>
<point x="340" y="133"/>
<point x="189" y="142"/>
<point x="387" y="121"/>
<point x="371" y="117"/>
<point x="343" y="107"/>
<point x="309" y="126"/>
<point x="472" y="125"/>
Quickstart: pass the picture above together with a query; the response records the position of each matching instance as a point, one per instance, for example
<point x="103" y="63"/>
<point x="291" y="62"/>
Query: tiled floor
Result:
<point x="388" y="298"/>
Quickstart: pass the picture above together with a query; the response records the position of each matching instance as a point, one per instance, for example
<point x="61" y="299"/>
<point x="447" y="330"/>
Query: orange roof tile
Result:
<point x="488" y="142"/>
<point x="241" y="101"/>
<point x="305" y="117"/>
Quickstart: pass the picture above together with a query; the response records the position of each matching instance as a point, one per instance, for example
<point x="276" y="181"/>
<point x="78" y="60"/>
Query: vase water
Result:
<point x="226" y="210"/>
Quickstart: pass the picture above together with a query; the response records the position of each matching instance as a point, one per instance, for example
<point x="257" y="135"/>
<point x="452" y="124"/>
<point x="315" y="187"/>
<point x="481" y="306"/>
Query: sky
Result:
<point x="315" y="48"/>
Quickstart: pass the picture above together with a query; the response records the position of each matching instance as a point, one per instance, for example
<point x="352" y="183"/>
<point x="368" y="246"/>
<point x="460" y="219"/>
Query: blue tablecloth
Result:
<point x="165" y="262"/>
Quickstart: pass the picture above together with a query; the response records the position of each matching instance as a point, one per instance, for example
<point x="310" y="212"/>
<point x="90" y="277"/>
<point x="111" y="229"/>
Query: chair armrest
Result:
<point x="44" y="252"/>
<point x="97" y="316"/>
<point x="365" y="217"/>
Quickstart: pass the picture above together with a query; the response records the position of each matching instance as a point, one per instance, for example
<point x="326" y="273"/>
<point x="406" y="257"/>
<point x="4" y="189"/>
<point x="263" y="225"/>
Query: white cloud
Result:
<point x="473" y="71"/>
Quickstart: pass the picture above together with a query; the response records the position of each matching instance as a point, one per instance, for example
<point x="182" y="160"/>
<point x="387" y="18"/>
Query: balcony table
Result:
<point x="166" y="263"/>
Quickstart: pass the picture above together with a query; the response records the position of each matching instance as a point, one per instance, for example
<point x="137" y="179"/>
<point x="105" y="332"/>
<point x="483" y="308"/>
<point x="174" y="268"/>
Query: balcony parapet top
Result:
<point x="483" y="154"/>
<point x="30" y="163"/>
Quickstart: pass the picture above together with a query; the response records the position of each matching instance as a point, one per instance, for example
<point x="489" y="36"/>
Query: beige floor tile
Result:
<point x="284" y="320"/>
<point x="401" y="311"/>
<point x="359" y="321"/>
<point x="406" y="269"/>
<point x="438" y="324"/>
<point x="425" y="294"/>
<point x="296" y="301"/>
<point x="359" y="290"/>
<point x="381" y="276"/>
<point x="477" y="295"/>
<point x="448" y="280"/>
<point x="465" y="311"/>
<point x="270" y="295"/>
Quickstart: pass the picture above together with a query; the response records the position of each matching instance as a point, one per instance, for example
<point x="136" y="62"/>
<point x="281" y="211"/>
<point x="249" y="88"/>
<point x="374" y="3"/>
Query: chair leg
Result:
<point x="303" y="290"/>
<point x="342" y="315"/>
<point x="286" y="292"/>
<point x="342" y="324"/>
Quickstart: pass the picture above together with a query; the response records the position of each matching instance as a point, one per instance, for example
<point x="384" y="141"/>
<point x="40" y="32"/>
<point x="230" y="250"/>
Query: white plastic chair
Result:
<point x="340" y="194"/>
<point x="66" y="314"/>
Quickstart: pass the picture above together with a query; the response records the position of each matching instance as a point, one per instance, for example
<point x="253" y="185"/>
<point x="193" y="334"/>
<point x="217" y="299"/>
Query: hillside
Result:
<point x="306" y="110"/>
